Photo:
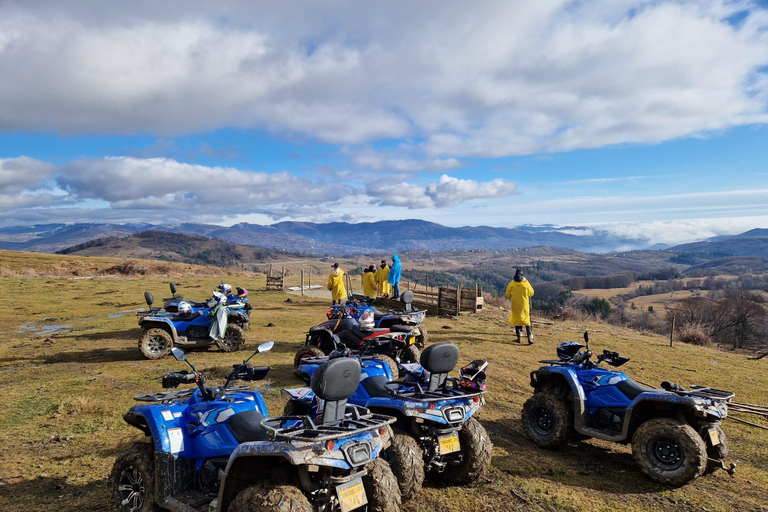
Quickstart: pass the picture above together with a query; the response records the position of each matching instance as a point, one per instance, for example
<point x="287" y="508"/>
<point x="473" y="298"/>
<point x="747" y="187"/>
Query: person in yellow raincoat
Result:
<point x="381" y="279"/>
<point x="369" y="282"/>
<point x="519" y="291"/>
<point x="336" y="285"/>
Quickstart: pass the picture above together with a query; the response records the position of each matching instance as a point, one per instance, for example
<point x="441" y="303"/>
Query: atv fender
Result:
<point x="148" y="322"/>
<point x="155" y="425"/>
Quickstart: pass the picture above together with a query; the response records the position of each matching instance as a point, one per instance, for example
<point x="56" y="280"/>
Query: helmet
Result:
<point x="567" y="349"/>
<point x="242" y="292"/>
<point x="220" y="297"/>
<point x="185" y="308"/>
<point x="224" y="288"/>
<point x="472" y="376"/>
<point x="366" y="320"/>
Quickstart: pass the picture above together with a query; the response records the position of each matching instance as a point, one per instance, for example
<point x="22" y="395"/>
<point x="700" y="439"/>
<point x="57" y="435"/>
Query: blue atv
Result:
<point x="163" y="330"/>
<point x="238" y="305"/>
<point x="215" y="449"/>
<point x="434" y="414"/>
<point x="406" y="316"/>
<point x="675" y="433"/>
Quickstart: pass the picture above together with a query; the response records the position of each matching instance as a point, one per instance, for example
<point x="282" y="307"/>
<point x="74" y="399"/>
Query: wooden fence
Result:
<point x="442" y="300"/>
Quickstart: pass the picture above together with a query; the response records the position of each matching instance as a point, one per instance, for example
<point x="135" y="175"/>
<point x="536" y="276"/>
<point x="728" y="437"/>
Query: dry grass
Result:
<point x="64" y="394"/>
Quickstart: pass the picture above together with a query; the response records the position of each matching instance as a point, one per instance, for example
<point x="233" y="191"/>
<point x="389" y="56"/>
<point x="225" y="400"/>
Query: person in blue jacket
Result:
<point x="394" y="276"/>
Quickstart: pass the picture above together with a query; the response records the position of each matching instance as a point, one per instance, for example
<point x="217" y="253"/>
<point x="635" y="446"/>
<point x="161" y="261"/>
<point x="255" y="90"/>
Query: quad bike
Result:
<point x="395" y="344"/>
<point x="213" y="449"/>
<point x="163" y="330"/>
<point x="236" y="303"/>
<point x="434" y="414"/>
<point x="406" y="316"/>
<point x="675" y="433"/>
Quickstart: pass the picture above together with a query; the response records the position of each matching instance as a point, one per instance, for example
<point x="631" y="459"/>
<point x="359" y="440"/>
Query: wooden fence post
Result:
<point x="672" y="332"/>
<point x="458" y="299"/>
<point x="439" y="296"/>
<point x="302" y="281"/>
<point x="310" y="278"/>
<point x="270" y="269"/>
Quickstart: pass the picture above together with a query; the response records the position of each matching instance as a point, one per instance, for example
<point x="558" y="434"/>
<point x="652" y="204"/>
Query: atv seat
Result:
<point x="400" y="328"/>
<point x="376" y="386"/>
<point x="246" y="426"/>
<point x="438" y="360"/>
<point x="378" y="315"/>
<point x="184" y="318"/>
<point x="632" y="389"/>
<point x="334" y="382"/>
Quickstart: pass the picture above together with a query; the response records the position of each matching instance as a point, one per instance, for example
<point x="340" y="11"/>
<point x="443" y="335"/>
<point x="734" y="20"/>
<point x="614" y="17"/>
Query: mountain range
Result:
<point x="341" y="238"/>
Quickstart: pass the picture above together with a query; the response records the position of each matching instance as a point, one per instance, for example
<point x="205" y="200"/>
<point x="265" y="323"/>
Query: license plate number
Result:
<point x="714" y="437"/>
<point x="449" y="444"/>
<point x="351" y="495"/>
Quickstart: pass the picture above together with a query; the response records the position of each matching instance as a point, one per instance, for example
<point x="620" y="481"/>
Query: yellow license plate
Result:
<point x="714" y="437"/>
<point x="449" y="444"/>
<point x="412" y="340"/>
<point x="351" y="495"/>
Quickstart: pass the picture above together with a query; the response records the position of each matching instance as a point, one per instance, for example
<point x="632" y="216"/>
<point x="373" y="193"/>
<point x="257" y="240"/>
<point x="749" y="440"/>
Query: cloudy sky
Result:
<point x="647" y="115"/>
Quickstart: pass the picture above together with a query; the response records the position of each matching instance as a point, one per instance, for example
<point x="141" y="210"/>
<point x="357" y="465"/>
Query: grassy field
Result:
<point x="69" y="367"/>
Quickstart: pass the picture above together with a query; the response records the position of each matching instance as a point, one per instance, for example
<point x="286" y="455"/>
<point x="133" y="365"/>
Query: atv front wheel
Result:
<point x="381" y="487"/>
<point x="421" y="339"/>
<point x="155" y="343"/>
<point x="476" y="450"/>
<point x="133" y="479"/>
<point x="393" y="368"/>
<point x="407" y="464"/>
<point x="715" y="453"/>
<point x="233" y="340"/>
<point x="669" y="451"/>
<point x="547" y="420"/>
<point x="411" y="354"/>
<point x="306" y="352"/>
<point x="268" y="497"/>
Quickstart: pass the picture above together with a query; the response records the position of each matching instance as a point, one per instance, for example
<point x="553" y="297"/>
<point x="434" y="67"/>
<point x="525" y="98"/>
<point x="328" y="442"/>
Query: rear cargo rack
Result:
<point x="303" y="428"/>
<point x="419" y="395"/>
<point x="712" y="393"/>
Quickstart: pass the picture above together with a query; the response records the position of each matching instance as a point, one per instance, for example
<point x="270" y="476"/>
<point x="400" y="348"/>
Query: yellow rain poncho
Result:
<point x="369" y="284"/>
<point x="519" y="292"/>
<point x="383" y="286"/>
<point x="336" y="285"/>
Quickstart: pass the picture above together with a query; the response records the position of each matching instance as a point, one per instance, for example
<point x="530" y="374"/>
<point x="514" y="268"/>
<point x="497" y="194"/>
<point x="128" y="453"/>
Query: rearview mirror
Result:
<point x="179" y="354"/>
<point x="173" y="288"/>
<point x="265" y="347"/>
<point x="149" y="298"/>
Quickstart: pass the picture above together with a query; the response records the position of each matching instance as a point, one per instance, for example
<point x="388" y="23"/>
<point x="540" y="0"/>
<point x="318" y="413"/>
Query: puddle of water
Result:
<point x="114" y="315"/>
<point x="41" y="329"/>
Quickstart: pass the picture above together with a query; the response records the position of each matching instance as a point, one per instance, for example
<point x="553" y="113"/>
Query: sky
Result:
<point x="644" y="118"/>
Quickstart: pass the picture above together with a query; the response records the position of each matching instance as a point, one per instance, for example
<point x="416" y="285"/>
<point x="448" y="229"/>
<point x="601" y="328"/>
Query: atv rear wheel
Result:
<point x="269" y="497"/>
<point x="421" y="339"/>
<point x="155" y="343"/>
<point x="547" y="420"/>
<point x="407" y="464"/>
<point x="411" y="354"/>
<point x="715" y="453"/>
<point x="233" y="340"/>
<point x="381" y="487"/>
<point x="476" y="451"/>
<point x="307" y="352"/>
<point x="669" y="451"/>
<point x="393" y="368"/>
<point x="133" y="479"/>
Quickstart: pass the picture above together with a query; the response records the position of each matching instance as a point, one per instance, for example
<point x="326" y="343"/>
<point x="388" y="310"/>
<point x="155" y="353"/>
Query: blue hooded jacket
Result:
<point x="394" y="271"/>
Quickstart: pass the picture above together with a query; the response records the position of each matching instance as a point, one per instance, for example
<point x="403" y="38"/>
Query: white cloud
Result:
<point x="445" y="192"/>
<point x="511" y="78"/>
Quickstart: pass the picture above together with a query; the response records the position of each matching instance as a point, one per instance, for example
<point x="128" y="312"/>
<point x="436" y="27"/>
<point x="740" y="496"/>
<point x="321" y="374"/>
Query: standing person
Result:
<point x="382" y="274"/>
<point x="519" y="291"/>
<point x="369" y="282"/>
<point x="394" y="276"/>
<point x="336" y="284"/>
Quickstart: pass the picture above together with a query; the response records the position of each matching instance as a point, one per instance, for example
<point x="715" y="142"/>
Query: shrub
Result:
<point x="694" y="334"/>
<point x="128" y="268"/>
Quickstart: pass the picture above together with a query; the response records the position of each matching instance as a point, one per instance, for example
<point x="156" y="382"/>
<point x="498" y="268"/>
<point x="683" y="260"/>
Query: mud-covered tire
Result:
<point x="133" y="478"/>
<point x="155" y="343"/>
<point x="270" y="497"/>
<point x="411" y="354"/>
<point x="718" y="452"/>
<point x="407" y="464"/>
<point x="547" y="420"/>
<point x="476" y="453"/>
<point x="233" y="340"/>
<point x="305" y="352"/>
<point x="381" y="488"/>
<point x="393" y="367"/>
<point x="669" y="451"/>
<point x="422" y="338"/>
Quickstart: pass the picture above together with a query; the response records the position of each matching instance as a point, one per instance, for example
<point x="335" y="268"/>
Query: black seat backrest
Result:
<point x="407" y="299"/>
<point x="334" y="382"/>
<point x="438" y="360"/>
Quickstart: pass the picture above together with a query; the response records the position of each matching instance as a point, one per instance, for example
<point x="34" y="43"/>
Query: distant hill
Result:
<point x="162" y="245"/>
<point x="751" y="243"/>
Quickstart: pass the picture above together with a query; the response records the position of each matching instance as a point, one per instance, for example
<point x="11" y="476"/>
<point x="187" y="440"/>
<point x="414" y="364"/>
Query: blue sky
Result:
<point x="645" y="118"/>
